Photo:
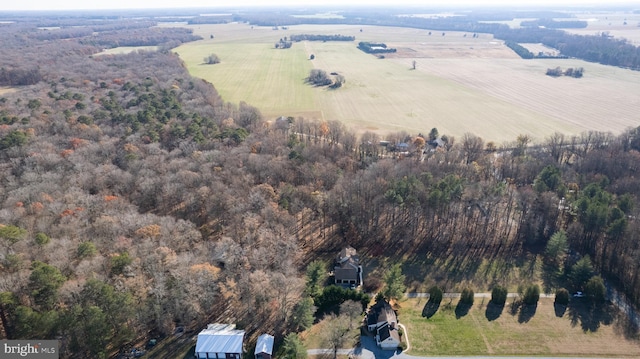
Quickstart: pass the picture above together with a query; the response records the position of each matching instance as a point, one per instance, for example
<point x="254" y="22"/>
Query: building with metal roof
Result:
<point x="220" y="341"/>
<point x="264" y="347"/>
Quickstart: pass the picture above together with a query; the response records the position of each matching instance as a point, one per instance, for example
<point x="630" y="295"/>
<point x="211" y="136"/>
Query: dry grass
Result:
<point x="461" y="84"/>
<point x="126" y="49"/>
<point x="577" y="333"/>
<point x="6" y="90"/>
<point x="541" y="48"/>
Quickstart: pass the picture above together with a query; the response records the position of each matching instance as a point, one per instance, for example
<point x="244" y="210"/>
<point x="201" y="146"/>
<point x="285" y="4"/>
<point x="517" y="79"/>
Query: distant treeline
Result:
<point x="374" y="48"/>
<point x="553" y="24"/>
<point x="212" y="19"/>
<point x="600" y="49"/>
<point x="522" y="51"/>
<point x="308" y="37"/>
<point x="142" y="37"/>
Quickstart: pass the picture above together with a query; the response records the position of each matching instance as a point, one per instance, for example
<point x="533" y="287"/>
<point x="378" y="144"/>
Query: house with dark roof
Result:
<point x="264" y="347"/>
<point x="347" y="270"/>
<point x="220" y="341"/>
<point x="379" y="314"/>
<point x="388" y="338"/>
<point x="383" y="321"/>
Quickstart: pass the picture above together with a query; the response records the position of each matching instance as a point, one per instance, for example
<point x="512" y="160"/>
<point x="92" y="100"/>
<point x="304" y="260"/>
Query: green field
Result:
<point x="578" y="333"/>
<point x="461" y="84"/>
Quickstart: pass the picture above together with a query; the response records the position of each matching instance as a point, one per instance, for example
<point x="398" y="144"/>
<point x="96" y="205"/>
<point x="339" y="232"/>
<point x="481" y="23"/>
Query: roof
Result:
<point x="264" y="344"/>
<point x="348" y="253"/>
<point x="386" y="332"/>
<point x="220" y="338"/>
<point x="345" y="273"/>
<point x="381" y="312"/>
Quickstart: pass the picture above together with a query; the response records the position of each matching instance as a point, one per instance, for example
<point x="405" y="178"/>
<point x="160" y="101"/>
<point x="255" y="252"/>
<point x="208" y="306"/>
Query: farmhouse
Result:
<point x="382" y="321"/>
<point x="220" y="341"/>
<point x="264" y="347"/>
<point x="347" y="270"/>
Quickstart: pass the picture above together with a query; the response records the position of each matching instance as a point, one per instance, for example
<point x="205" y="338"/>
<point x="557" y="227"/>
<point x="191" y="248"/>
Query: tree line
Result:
<point x="308" y="37"/>
<point x="375" y="47"/>
<point x="555" y="24"/>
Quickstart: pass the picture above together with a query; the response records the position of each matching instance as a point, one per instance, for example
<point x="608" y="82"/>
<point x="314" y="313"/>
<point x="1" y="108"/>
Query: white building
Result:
<point x="264" y="347"/>
<point x="220" y="341"/>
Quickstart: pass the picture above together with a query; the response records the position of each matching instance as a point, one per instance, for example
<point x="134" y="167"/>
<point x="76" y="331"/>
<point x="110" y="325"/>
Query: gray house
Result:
<point x="383" y="321"/>
<point x="347" y="270"/>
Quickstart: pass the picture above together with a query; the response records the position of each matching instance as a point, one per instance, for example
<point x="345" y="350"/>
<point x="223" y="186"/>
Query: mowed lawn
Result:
<point x="542" y="334"/>
<point x="461" y="84"/>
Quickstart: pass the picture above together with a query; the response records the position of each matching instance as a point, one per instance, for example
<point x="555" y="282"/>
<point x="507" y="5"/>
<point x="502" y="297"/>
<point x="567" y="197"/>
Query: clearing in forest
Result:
<point x="5" y="90"/>
<point x="126" y="49"/>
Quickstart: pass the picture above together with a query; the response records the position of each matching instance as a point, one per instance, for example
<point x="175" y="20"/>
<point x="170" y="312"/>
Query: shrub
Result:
<point x="85" y="250"/>
<point x="42" y="239"/>
<point x="12" y="233"/>
<point x="499" y="295"/>
<point x="319" y="78"/>
<point x="562" y="296"/>
<point x="212" y="59"/>
<point x="531" y="295"/>
<point x="435" y="295"/>
<point x="595" y="289"/>
<point x="119" y="262"/>
<point x="466" y="297"/>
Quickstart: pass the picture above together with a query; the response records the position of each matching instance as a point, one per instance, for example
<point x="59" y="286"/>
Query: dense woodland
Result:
<point x="134" y="200"/>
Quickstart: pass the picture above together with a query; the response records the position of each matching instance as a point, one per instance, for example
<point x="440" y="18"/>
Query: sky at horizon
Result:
<point x="35" y="5"/>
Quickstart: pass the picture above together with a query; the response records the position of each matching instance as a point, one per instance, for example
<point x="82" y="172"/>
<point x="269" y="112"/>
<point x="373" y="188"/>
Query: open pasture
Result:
<point x="460" y="84"/>
<point x="577" y="331"/>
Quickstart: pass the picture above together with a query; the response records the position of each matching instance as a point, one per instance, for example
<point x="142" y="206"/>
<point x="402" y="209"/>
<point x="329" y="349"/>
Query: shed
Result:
<point x="264" y="347"/>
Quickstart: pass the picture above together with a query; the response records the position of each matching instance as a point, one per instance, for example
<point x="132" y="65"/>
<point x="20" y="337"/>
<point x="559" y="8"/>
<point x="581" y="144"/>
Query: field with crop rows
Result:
<point x="461" y="83"/>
